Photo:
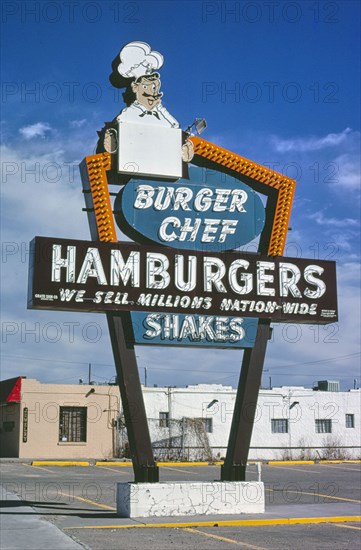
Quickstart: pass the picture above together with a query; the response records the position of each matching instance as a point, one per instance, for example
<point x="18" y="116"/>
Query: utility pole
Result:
<point x="145" y="373"/>
<point x="89" y="373"/>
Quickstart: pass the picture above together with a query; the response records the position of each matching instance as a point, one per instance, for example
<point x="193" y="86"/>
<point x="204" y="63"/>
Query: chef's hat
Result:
<point x="137" y="59"/>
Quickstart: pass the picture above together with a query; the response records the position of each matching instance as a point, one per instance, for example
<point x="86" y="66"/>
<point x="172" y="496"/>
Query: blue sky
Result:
<point x="277" y="82"/>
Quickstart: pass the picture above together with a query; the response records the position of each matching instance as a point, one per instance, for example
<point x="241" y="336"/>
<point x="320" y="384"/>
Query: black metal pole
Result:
<point x="121" y="334"/>
<point x="145" y="469"/>
<point x="234" y="467"/>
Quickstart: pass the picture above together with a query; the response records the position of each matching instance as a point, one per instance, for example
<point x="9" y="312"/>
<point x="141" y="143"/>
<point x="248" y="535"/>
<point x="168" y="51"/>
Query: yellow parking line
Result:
<point x="337" y="498"/>
<point x="184" y="464"/>
<point x="356" y="461"/>
<point x="60" y="463"/>
<point x="338" y="467"/>
<point x="302" y="492"/>
<point x="114" y="470"/>
<point x="90" y="501"/>
<point x="179" y="470"/>
<point x="348" y="526"/>
<point x="289" y="462"/>
<point x="40" y="467"/>
<point x="160" y="464"/>
<point x="223" y="539"/>
<point x="225" y="523"/>
<point x="102" y="464"/>
<point x="295" y="469"/>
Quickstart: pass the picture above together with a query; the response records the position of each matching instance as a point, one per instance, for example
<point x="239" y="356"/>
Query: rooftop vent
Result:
<point x="328" y="385"/>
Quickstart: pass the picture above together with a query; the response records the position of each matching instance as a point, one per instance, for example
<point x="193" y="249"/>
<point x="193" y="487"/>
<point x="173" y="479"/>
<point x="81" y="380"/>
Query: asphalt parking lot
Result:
<point x="307" y="506"/>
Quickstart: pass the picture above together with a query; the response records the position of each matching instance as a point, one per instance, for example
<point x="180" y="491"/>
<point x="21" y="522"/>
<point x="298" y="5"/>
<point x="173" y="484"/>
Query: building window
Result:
<point x="350" y="420"/>
<point x="8" y="426"/>
<point x="72" y="424"/>
<point x="208" y="425"/>
<point x="323" y="426"/>
<point x="279" y="425"/>
<point x="164" y="419"/>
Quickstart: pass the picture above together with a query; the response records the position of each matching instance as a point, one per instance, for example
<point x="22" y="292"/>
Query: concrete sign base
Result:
<point x="189" y="499"/>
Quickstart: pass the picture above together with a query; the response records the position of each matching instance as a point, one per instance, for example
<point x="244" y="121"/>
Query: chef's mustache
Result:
<point x="156" y="96"/>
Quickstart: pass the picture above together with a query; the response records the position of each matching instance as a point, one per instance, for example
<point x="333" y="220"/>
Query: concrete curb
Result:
<point x="160" y="464"/>
<point x="127" y="464"/>
<point x="339" y="461"/>
<point x="113" y="463"/>
<point x="24" y="527"/>
<point x="59" y="463"/>
<point x="226" y="523"/>
<point x="289" y="462"/>
<point x="305" y="462"/>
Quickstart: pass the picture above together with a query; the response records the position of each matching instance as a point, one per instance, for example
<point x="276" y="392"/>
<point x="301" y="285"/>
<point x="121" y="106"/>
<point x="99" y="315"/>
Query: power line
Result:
<point x="330" y="359"/>
<point x="51" y="360"/>
<point x="335" y="358"/>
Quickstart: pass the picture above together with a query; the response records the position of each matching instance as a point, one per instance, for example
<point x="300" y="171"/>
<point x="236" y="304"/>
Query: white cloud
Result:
<point x="350" y="275"/>
<point x="46" y="189"/>
<point x="38" y="129"/>
<point x="348" y="176"/>
<point x="342" y="242"/>
<point x="332" y="160"/>
<point x="33" y="204"/>
<point x="323" y="344"/>
<point x="320" y="219"/>
<point x="41" y="195"/>
<point x="312" y="143"/>
<point x="77" y="123"/>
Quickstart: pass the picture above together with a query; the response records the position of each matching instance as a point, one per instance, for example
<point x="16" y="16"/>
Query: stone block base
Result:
<point x="189" y="499"/>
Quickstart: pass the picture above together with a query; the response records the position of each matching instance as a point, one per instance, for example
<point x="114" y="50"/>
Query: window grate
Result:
<point x="164" y="419"/>
<point x="208" y="425"/>
<point x="350" y="420"/>
<point x="72" y="424"/>
<point x="279" y="425"/>
<point x="323" y="426"/>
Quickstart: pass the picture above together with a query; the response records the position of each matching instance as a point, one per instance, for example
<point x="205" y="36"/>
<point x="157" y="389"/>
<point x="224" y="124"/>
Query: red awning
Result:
<point x="10" y="390"/>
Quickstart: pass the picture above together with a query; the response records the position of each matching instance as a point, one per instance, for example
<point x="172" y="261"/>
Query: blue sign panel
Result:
<point x="209" y="211"/>
<point x="178" y="329"/>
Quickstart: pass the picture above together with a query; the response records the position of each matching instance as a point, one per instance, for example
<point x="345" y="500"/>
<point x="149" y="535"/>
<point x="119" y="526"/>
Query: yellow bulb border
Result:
<point x="97" y="166"/>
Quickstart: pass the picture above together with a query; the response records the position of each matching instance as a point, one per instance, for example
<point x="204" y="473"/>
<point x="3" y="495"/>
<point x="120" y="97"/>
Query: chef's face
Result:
<point x="147" y="91"/>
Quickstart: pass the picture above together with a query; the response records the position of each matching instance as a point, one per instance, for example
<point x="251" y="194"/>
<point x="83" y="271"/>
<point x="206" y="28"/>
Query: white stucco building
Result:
<point x="291" y="422"/>
<point x="73" y="421"/>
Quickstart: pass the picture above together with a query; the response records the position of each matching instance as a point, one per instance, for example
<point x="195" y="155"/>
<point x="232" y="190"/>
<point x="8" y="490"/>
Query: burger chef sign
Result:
<point x="188" y="218"/>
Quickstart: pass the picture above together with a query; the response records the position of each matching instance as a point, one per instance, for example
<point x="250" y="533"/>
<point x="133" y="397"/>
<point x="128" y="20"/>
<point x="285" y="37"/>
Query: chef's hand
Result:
<point x="187" y="151"/>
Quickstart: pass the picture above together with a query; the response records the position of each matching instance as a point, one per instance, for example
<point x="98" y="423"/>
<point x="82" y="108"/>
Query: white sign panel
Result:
<point x="149" y="150"/>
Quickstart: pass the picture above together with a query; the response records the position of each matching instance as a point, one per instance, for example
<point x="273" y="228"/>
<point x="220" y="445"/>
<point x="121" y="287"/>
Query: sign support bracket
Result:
<point x="145" y="469"/>
<point x="94" y="179"/>
<point x="234" y="467"/>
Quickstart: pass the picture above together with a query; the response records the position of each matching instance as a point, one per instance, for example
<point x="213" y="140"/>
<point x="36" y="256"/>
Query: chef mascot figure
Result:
<point x="135" y="69"/>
